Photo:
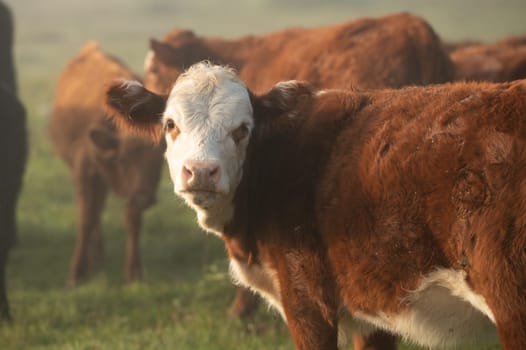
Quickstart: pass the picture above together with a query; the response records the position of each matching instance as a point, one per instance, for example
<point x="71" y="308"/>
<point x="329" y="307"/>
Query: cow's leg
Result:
<point x="309" y="300"/>
<point x="245" y="303"/>
<point x="509" y="309"/>
<point x="96" y="247"/>
<point x="498" y="273"/>
<point x="133" y="220"/>
<point x="512" y="331"/>
<point x="91" y="192"/>
<point x="378" y="340"/>
<point x="4" y="305"/>
<point x="7" y="240"/>
<point x="310" y="327"/>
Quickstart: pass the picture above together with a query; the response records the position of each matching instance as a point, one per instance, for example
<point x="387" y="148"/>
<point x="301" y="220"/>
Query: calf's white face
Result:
<point x="207" y="124"/>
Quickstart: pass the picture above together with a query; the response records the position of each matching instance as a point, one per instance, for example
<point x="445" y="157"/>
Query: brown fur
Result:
<point x="504" y="60"/>
<point x="100" y="159"/>
<point x="390" y="51"/>
<point x="397" y="183"/>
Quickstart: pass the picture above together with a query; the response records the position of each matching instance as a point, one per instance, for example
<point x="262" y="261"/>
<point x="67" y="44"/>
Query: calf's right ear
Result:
<point x="137" y="109"/>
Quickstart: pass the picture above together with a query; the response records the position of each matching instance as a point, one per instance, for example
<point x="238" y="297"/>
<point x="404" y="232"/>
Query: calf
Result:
<point x="100" y="159"/>
<point x="13" y="151"/>
<point x="389" y="51"/>
<point x="394" y="209"/>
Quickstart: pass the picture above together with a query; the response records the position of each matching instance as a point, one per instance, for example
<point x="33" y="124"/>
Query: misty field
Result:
<point x="183" y="300"/>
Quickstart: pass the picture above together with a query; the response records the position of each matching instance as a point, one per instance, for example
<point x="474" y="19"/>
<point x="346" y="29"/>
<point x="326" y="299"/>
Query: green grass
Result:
<point x="182" y="302"/>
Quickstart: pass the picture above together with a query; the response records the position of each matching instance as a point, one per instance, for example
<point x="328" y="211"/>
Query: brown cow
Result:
<point x="390" y="51"/>
<point x="504" y="60"/>
<point x="13" y="151"/>
<point x="355" y="210"/>
<point x="100" y="159"/>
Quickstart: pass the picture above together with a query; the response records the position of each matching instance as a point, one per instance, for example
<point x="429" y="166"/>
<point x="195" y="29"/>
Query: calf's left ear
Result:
<point x="283" y="103"/>
<point x="137" y="109"/>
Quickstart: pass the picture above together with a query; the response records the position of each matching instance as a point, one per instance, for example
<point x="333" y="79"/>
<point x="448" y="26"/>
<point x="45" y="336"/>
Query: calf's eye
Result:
<point x="171" y="128"/>
<point x="240" y="133"/>
<point x="169" y="124"/>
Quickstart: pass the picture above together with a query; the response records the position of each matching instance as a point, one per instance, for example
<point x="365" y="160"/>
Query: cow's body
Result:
<point x="504" y="60"/>
<point x="13" y="151"/>
<point x="100" y="159"/>
<point x="390" y="51"/>
<point x="402" y="210"/>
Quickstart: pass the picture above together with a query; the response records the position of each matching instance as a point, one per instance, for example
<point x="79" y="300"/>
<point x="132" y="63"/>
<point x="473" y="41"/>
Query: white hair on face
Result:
<point x="207" y="103"/>
<point x="206" y="89"/>
<point x="205" y="77"/>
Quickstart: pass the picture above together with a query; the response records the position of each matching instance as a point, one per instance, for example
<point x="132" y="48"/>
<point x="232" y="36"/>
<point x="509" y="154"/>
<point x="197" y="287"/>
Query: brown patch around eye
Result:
<point x="171" y="128"/>
<point x="240" y="133"/>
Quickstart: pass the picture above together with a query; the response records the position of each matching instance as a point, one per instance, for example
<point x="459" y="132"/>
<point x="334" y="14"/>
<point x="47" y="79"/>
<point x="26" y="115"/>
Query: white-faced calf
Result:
<point x="394" y="209"/>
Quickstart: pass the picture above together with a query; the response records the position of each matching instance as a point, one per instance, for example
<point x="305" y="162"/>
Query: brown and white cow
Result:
<point x="504" y="60"/>
<point x="100" y="159"/>
<point x="355" y="210"/>
<point x="390" y="51"/>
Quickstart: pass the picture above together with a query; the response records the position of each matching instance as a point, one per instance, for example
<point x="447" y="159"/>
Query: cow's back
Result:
<point x="504" y="60"/>
<point x="390" y="51"/>
<point x="79" y="97"/>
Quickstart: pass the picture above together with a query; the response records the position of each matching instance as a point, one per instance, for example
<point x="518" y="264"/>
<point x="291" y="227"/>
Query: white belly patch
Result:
<point x="442" y="312"/>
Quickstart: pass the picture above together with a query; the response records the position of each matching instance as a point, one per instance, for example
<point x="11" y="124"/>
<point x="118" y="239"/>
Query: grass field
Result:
<point x="182" y="302"/>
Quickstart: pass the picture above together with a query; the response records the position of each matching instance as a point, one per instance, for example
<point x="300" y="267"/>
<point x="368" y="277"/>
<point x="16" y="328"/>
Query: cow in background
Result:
<point x="390" y="51"/>
<point x="402" y="210"/>
<point x="13" y="151"/>
<point x="101" y="159"/>
<point x="504" y="60"/>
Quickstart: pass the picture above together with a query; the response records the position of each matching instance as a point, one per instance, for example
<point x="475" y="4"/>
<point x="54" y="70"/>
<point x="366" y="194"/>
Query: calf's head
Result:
<point x="207" y="121"/>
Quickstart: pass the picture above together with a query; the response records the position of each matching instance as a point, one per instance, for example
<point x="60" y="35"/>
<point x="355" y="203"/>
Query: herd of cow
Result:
<point x="352" y="200"/>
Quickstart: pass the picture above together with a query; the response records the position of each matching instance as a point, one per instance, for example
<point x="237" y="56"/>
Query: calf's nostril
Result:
<point x="213" y="172"/>
<point x="187" y="171"/>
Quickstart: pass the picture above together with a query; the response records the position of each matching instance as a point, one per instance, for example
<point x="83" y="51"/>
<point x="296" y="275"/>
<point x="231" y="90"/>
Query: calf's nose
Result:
<point x="200" y="175"/>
